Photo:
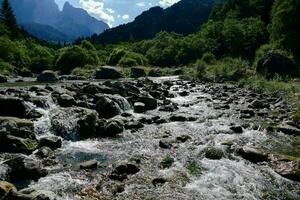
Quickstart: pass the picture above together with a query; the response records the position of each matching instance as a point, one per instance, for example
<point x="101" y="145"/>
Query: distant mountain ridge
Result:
<point x="184" y="17"/>
<point x="44" y="20"/>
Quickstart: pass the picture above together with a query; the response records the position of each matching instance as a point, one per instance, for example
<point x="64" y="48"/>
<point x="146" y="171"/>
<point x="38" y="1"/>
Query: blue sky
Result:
<point x="115" y="12"/>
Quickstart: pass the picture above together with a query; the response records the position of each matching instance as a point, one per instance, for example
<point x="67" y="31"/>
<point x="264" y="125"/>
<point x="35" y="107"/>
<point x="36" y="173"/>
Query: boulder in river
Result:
<point x="66" y="100"/>
<point x="288" y="167"/>
<point x="150" y="102"/>
<point x="213" y="153"/>
<point x="24" y="168"/>
<point x="121" y="171"/>
<point x="107" y="108"/>
<point x="108" y="72"/>
<point x="288" y="129"/>
<point x="47" y="76"/>
<point x="52" y="142"/>
<point x="253" y="154"/>
<point x="12" y="106"/>
<point x="139" y="107"/>
<point x="3" y="79"/>
<point x="114" y="127"/>
<point x="74" y="123"/>
<point x="91" y="164"/>
<point x="137" y="72"/>
<point x="16" y="135"/>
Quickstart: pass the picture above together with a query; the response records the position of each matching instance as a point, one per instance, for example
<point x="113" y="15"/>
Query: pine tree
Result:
<point x="9" y="19"/>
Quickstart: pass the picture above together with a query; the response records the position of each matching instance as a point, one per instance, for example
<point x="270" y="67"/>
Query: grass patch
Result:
<point x="194" y="169"/>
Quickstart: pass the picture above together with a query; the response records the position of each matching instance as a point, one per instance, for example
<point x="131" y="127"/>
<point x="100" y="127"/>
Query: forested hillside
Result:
<point x="184" y="17"/>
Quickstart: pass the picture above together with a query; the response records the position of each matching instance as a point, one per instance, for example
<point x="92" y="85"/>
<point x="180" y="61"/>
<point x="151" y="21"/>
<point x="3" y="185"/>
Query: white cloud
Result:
<point x="110" y="10"/>
<point x="125" y="17"/>
<point x="141" y="4"/>
<point x="97" y="10"/>
<point x="167" y="3"/>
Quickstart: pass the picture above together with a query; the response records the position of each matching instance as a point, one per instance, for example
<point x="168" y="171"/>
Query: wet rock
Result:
<point x="139" y="107"/>
<point x="25" y="168"/>
<point x="158" y="181"/>
<point x="154" y="73"/>
<point x="122" y="171"/>
<point x="91" y="164"/>
<point x="107" y="72"/>
<point x="257" y="104"/>
<point x="288" y="167"/>
<point x="52" y="142"/>
<point x="274" y="63"/>
<point x="164" y="144"/>
<point x="44" y="152"/>
<point x="169" y="108"/>
<point x="107" y="108"/>
<point x="65" y="100"/>
<point x="16" y="135"/>
<point x="18" y="105"/>
<point x="114" y="127"/>
<point x="253" y="154"/>
<point x="178" y="118"/>
<point x="237" y="129"/>
<point x="47" y="76"/>
<point x="183" y="93"/>
<point x="288" y="129"/>
<point x="6" y="189"/>
<point x="74" y="123"/>
<point x="32" y="194"/>
<point x="134" y="125"/>
<point x="150" y="103"/>
<point x="3" y="79"/>
<point x="183" y="138"/>
<point x="118" y="188"/>
<point x="137" y="72"/>
<point x="213" y="153"/>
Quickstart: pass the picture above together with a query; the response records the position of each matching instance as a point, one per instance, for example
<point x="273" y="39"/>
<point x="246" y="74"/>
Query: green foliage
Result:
<point x="194" y="169"/>
<point x="285" y="29"/>
<point x="6" y="68"/>
<point x="200" y="67"/>
<point x="122" y="57"/>
<point x="41" y="58"/>
<point x="167" y="162"/>
<point x="75" y="56"/>
<point x="8" y="18"/>
<point x="209" y="58"/>
<point x="15" y="53"/>
<point x="228" y="69"/>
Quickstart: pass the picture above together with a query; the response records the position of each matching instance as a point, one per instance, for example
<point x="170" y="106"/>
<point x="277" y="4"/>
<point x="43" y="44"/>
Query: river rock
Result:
<point x="237" y="129"/>
<point x="213" y="153"/>
<point x="73" y="123"/>
<point x="165" y="144"/>
<point x="150" y="103"/>
<point x="18" y="105"/>
<point x="287" y="167"/>
<point x="122" y="171"/>
<point x="3" y="79"/>
<point x="65" y="100"/>
<point x="44" y="152"/>
<point x="5" y="189"/>
<point x="288" y="129"/>
<point x="114" y="127"/>
<point x="107" y="108"/>
<point x="108" y="72"/>
<point x="52" y="142"/>
<point x="139" y="107"/>
<point x="158" y="181"/>
<point x="47" y="76"/>
<point x="71" y="78"/>
<point x="253" y="154"/>
<point x="16" y="135"/>
<point x="24" y="168"/>
<point x="137" y="72"/>
<point x="91" y="164"/>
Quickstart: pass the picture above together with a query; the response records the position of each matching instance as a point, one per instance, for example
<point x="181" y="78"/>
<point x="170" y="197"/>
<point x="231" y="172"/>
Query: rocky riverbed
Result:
<point x="159" y="138"/>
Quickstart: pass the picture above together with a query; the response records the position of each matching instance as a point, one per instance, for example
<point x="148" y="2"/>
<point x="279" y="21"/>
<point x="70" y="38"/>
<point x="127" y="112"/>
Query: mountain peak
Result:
<point x="67" y="5"/>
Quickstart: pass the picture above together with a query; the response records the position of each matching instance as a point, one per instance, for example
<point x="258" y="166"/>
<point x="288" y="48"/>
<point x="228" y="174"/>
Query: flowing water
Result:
<point x="192" y="176"/>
